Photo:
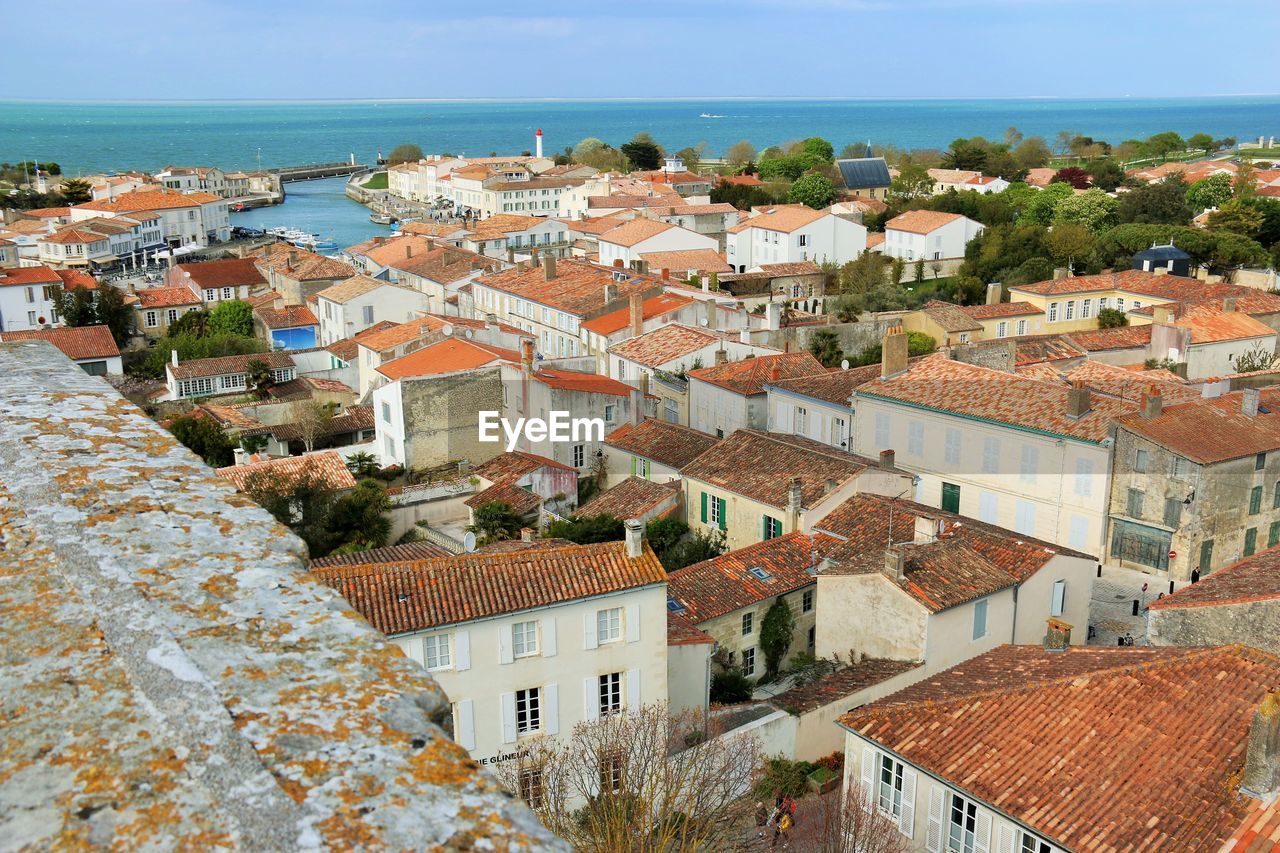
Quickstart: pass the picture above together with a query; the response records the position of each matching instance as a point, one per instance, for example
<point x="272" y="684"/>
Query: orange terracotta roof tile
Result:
<point x="1139" y="282"/>
<point x="632" y="498"/>
<point x="398" y="598"/>
<point x="167" y="297"/>
<point x="511" y="466"/>
<point x="635" y="231"/>
<point x="682" y="632"/>
<point x="389" y="554"/>
<point x="651" y="308"/>
<point x="347" y="348"/>
<point x="585" y="383"/>
<point x="664" y="344"/>
<point x="228" y="272"/>
<point x="672" y="445"/>
<point x="840" y="684"/>
<point x="702" y="260"/>
<point x="150" y="199"/>
<point x="447" y="356"/>
<point x="326" y="467"/>
<point x="781" y="218"/>
<point x="47" y="212"/>
<point x="950" y="317"/>
<point x="1212" y="325"/>
<point x="726" y="583"/>
<point x="1255" y="578"/>
<point x="1213" y="430"/>
<point x="357" y="286"/>
<point x="921" y="221"/>
<point x="72" y="279"/>
<point x="28" y="275"/>
<point x="1000" y="309"/>
<point x="750" y="375"/>
<point x="228" y="364"/>
<point x="578" y="288"/>
<point x="520" y="501"/>
<point x="288" y="317"/>
<point x="77" y="343"/>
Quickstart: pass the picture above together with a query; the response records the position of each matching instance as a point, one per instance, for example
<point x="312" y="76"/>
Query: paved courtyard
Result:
<point x="1111" y="610"/>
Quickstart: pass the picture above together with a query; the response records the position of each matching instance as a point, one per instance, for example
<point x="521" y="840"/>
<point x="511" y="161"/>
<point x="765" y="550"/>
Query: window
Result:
<point x="1180" y="467"/>
<point x="610" y="694"/>
<point x="608" y="625"/>
<point x="1022" y="327"/>
<point x="210" y="294"/>
<point x="1206" y="556"/>
<point x="1085" y="307"/>
<point x="882" y="430"/>
<point x="838" y="435"/>
<point x="1273" y="534"/>
<point x="171" y="316"/>
<point x="980" y="619"/>
<point x="611" y="772"/>
<point x="1120" y="303"/>
<point x="1053" y="312"/>
<point x="531" y="788"/>
<point x="772" y="527"/>
<point x="1140" y="459"/>
<point x="1058" y="599"/>
<point x="1250" y="541"/>
<point x="915" y="438"/>
<point x="889" y="786"/>
<point x="435" y="651"/>
<point x="988" y="507"/>
<point x="806" y="600"/>
<point x="1024" y="517"/>
<point x="951" y="497"/>
<point x="804" y="239"/>
<point x="951" y="449"/>
<point x="1002" y="329"/>
<point x="367" y="314"/>
<point x="1275" y="498"/>
<point x="1084" y="477"/>
<point x="386" y="412"/>
<point x="1255" y="500"/>
<point x="579" y="455"/>
<point x="1033" y="844"/>
<point x="717" y="515"/>
<point x="1260" y="461"/>
<point x="1071" y="310"/>
<point x="528" y="710"/>
<point x="802" y="420"/>
<point x="1030" y="461"/>
<point x="1173" y="511"/>
<point x="226" y="293"/>
<point x="524" y="639"/>
<point x="748" y="623"/>
<point x="990" y="455"/>
<point x="609" y="413"/>
<point x="749" y="662"/>
<point x="962" y="824"/>
<point x="151" y="320"/>
<point x="1133" y="507"/>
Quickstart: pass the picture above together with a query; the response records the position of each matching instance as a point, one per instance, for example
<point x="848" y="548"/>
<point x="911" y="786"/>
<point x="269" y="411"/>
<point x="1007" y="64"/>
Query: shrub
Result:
<point x="782" y="775"/>
<point x="730" y="687"/>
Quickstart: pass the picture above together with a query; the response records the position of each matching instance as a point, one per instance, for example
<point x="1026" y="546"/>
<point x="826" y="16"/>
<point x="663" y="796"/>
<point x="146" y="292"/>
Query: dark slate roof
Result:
<point x="864" y="172"/>
<point x="1162" y="253"/>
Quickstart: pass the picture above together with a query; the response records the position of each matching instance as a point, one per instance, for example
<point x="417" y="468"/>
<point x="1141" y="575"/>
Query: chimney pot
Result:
<point x="1152" y="404"/>
<point x="526" y="534"/>
<point x="795" y="494"/>
<point x="893" y="352"/>
<point x="1057" y="637"/>
<point x="548" y="267"/>
<point x="634" y="537"/>
<point x="887" y="459"/>
<point x="1250" y="400"/>
<point x="1078" y="401"/>
<point x="617" y="262"/>
<point x="636" y="314"/>
<point x="1229" y="304"/>
<point x="722" y="356"/>
<point x="926" y="529"/>
<point x="610" y="293"/>
<point x="895" y="565"/>
<point x="666" y="274"/>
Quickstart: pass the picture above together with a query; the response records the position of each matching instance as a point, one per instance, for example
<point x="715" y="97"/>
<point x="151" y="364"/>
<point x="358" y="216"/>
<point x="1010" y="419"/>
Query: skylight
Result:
<point x="758" y="572"/>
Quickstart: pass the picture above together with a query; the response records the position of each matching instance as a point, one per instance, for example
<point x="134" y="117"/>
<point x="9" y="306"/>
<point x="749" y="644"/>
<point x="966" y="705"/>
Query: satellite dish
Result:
<point x="844" y="364"/>
<point x="469" y="542"/>
<point x="447" y="330"/>
<point x="703" y="321"/>
<point x="470" y="334"/>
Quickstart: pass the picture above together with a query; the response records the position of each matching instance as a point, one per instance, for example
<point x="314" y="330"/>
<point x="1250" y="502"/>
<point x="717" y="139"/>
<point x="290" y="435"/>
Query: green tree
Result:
<point x="300" y="502"/>
<point x="824" y="345"/>
<point x="76" y="307"/>
<point x="812" y="190"/>
<point x="1238" y="217"/>
<point x="730" y="687"/>
<point x="190" y="347"/>
<point x="204" y="438"/>
<point x="193" y="323"/>
<point x="587" y="530"/>
<point x="259" y="378"/>
<point x="358" y="520"/>
<point x="1111" y="318"/>
<point x="76" y="191"/>
<point x="1213" y="191"/>
<point x="1233" y="251"/>
<point x="496" y="521"/>
<point x="897" y="268"/>
<point x="598" y="155"/>
<point x="404" y="153"/>
<point x="1069" y="242"/>
<point x="232" y="317"/>
<point x="740" y="154"/>
<point x="1093" y="209"/>
<point x="1203" y="141"/>
<point x="642" y="153"/>
<point x="1039" y="208"/>
<point x="918" y="270"/>
<point x="692" y="155"/>
<point x="1032" y="153"/>
<point x="1162" y="202"/>
<point x="776" y="628"/>
<point x="362" y="465"/>
<point x="818" y="148"/>
<point x="863" y="274"/>
<point x="114" y="313"/>
<point x="664" y="534"/>
<point x="698" y="547"/>
<point x="1075" y="176"/>
<point x="913" y="182"/>
<point x="969" y="154"/>
<point x="918" y="343"/>
<point x="1105" y="173"/>
<point x="1163" y="143"/>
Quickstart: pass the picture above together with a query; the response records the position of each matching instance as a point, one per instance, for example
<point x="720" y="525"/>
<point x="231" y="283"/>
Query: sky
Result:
<point x="233" y="49"/>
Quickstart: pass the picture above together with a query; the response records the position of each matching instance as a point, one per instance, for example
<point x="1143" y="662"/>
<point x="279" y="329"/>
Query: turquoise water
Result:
<point x="317" y="207"/>
<point x="91" y="137"/>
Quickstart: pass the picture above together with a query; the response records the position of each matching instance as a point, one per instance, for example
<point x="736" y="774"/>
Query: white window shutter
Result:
<point x="590" y="699"/>
<point x="589" y="640"/>
<point x="868" y="777"/>
<point x="982" y="832"/>
<point x="633" y="691"/>
<point x="933" y="838"/>
<point x="1005" y="837"/>
<point x="508" y="718"/>
<point x="412" y="648"/>
<point x="633" y="623"/>
<point x="464" y="724"/>
<point x="551" y="709"/>
<point x="461" y="648"/>
<point x="504" y="644"/>
<point x="907" y="819"/>
<point x="549" y="637"/>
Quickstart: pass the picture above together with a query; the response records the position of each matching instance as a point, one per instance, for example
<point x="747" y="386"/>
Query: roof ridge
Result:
<point x="502" y="556"/>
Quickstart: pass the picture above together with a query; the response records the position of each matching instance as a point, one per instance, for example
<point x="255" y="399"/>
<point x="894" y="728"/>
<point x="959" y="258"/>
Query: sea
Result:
<point x="88" y="138"/>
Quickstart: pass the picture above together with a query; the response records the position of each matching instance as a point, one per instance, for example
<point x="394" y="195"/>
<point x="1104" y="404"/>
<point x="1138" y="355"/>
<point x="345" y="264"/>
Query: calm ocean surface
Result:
<point x="95" y="137"/>
<point x="317" y="207"/>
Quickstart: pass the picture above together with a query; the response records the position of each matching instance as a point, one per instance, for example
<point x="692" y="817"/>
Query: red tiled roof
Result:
<point x="759" y="465"/>
<point x="228" y="272"/>
<point x="1140" y="282"/>
<point x="840" y="684"/>
<point x="1097" y="749"/>
<point x="951" y="318"/>
<point x="150" y="199"/>
<point x="1210" y="325"/>
<point x="28" y="275"/>
<point x="682" y="632"/>
<point x="784" y="218"/>
<point x="724" y="584"/>
<point x="654" y="306"/>
<point x="511" y="466"/>
<point x="346" y="349"/>
<point x="390" y="554"/>
<point x="47" y="212"/>
<point x="921" y="221"/>
<point x="447" y="356"/>
<point x="1255" y="578"/>
<point x="520" y="501"/>
<point x="939" y="575"/>
<point x="584" y="383"/>
<point x="750" y="375"/>
<point x="836" y="386"/>
<point x="1213" y="430"/>
<point x="578" y="288"/>
<point x="792" y="268"/>
<point x="288" y="317"/>
<point x="1000" y="309"/>
<point x="72" y="279"/>
<point x="664" y="344"/>
<point x="78" y="343"/>
<point x="681" y="261"/>
<point x="327" y="467"/>
<point x="672" y="445"/>
<point x="1120" y="337"/>
<point x="631" y="498"/>
<point x="228" y="364"/>
<point x="635" y="231"/>
<point x="401" y="597"/>
<point x="306" y="266"/>
<point x="167" y="297"/>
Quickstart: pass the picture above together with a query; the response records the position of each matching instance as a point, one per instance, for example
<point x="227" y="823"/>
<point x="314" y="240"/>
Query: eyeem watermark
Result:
<point x="560" y="427"/>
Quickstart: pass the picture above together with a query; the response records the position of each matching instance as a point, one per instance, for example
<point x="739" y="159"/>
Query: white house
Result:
<point x="818" y="407"/>
<point x="91" y="347"/>
<point x="730" y="395"/>
<point x="653" y="449"/>
<point x="791" y="233"/>
<point x="28" y="298"/>
<point x="627" y="242"/>
<point x="674" y="348"/>
<point x="586" y="638"/>
<point x="209" y="377"/>
<point x="354" y="305"/>
<point x="928" y="235"/>
<point x="187" y="219"/>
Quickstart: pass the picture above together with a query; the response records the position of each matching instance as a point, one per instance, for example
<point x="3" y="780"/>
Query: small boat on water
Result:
<point x="380" y="218"/>
<point x="710" y="115"/>
<point x="324" y="246"/>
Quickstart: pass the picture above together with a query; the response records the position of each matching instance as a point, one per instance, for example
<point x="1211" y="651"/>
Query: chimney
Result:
<point x="548" y="267"/>
<point x="893" y="352"/>
<point x="926" y="529"/>
<point x="526" y="534"/>
<point x="526" y="357"/>
<point x="610" y="293"/>
<point x="895" y="566"/>
<point x="744" y="335"/>
<point x="617" y="262"/>
<point x="1057" y="636"/>
<point x="666" y="274"/>
<point x="1077" y="400"/>
<point x="774" y="374"/>
<point x="995" y="293"/>
<point x="1162" y="314"/>
<point x="408" y="249"/>
<point x="173" y="357"/>
<point x="1261" y="775"/>
<point x="722" y="356"/>
<point x="713" y="315"/>
<point x="636" y="305"/>
<point x="773" y="316"/>
<point x="377" y="241"/>
<point x="1152" y="403"/>
<point x="635" y="537"/>
<point x="830" y="486"/>
<point x="795" y="495"/>
<point x="642" y="266"/>
<point x="511" y="255"/>
<point x="1249" y="402"/>
<point x="239" y="456"/>
<point x="1160" y="271"/>
<point x="644" y="384"/>
<point x="293" y="260"/>
<point x="1229" y="304"/>
<point x="886" y="459"/>
<point x="1060" y="273"/>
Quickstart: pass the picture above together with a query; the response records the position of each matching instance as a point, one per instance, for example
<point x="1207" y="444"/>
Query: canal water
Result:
<point x="317" y="207"/>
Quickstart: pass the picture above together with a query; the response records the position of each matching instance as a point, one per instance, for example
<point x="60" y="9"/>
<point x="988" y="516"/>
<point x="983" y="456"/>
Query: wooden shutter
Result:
<point x="868" y="777"/>
<point x="551" y="709"/>
<point x="590" y="699"/>
<point x="633" y="466"/>
<point x="508" y="718"/>
<point x="982" y="832"/>
<point x="633" y="690"/>
<point x="933" y="838"/>
<point x="505" y="642"/>
<point x="1006" y="837"/>
<point x="633" y="623"/>
<point x="907" y="819"/>
<point x="464" y="724"/>
<point x="462" y="650"/>
<point x="704" y="507"/>
<point x="549" y="637"/>
<point x="589" y="638"/>
<point x="724" y="524"/>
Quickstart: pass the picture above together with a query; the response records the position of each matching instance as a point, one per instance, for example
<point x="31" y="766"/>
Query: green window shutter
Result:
<point x="1255" y="500"/>
<point x="1250" y="541"/>
<point x="704" y="507"/>
<point x="633" y="466"/>
<point x="764" y="527"/>
<point x="1275" y="499"/>
<point x="723" y="522"/>
<point x="1273" y="535"/>
<point x="1206" y="556"/>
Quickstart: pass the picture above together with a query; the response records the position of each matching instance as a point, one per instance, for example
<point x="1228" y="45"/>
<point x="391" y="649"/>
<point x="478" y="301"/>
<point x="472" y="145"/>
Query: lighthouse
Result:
<point x="537" y="143"/>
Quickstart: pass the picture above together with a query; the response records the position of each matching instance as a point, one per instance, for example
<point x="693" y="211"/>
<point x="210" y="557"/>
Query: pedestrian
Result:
<point x="762" y="819"/>
<point x="782" y="829"/>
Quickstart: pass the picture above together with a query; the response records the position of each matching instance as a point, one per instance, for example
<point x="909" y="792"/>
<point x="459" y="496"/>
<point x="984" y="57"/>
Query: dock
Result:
<point x="317" y="170"/>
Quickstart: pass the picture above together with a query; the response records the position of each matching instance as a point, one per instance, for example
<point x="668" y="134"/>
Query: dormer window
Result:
<point x="759" y="573"/>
